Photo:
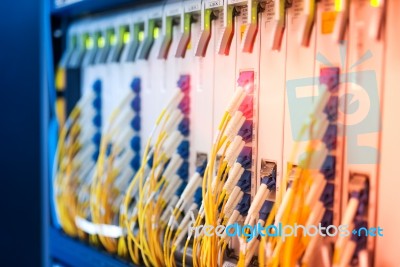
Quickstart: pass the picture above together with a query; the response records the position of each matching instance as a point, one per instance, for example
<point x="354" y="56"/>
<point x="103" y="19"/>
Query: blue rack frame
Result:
<point x="75" y="253"/>
<point x="56" y="245"/>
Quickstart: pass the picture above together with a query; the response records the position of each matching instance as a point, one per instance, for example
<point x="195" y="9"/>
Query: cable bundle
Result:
<point x="158" y="182"/>
<point x="224" y="185"/>
<point x="304" y="202"/>
<point x="118" y="161"/>
<point x="77" y="152"/>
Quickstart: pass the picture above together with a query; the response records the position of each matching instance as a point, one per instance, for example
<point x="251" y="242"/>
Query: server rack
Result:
<point x="57" y="248"/>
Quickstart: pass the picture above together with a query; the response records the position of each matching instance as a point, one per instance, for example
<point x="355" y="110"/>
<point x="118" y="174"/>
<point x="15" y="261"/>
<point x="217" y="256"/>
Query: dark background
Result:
<point x="19" y="133"/>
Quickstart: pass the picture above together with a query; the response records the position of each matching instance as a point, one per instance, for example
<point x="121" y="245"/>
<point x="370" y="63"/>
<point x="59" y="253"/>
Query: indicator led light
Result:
<point x="126" y="37"/>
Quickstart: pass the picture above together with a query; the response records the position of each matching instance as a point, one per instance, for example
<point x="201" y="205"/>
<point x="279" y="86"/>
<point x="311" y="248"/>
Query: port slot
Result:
<point x="267" y="169"/>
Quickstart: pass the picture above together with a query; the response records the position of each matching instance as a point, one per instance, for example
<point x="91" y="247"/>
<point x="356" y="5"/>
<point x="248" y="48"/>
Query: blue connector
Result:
<point x="183" y="171"/>
<point x="265" y="210"/>
<point x="184" y="83"/>
<point x="328" y="195"/>
<point x="329" y="167"/>
<point x="184" y="149"/>
<point x="95" y="155"/>
<point x="180" y="189"/>
<point x="327" y="219"/>
<point x="135" y="104"/>
<point x="183" y="127"/>
<point x="246" y="131"/>
<point x="135" y="123"/>
<point x="270" y="181"/>
<point x="201" y="168"/>
<point x="198" y="196"/>
<point x="245" y="157"/>
<point x="150" y="161"/>
<point x="245" y="181"/>
<point x="96" y="138"/>
<point x="330" y="137"/>
<point x="359" y="238"/>
<point x="135" y="163"/>
<point x="363" y="200"/>
<point x="109" y="149"/>
<point x="97" y="103"/>
<point x="136" y="85"/>
<point x="97" y="87"/>
<point x="244" y="205"/>
<point x="331" y="108"/>
<point x="135" y="143"/>
<point x="97" y="120"/>
<point x="166" y="164"/>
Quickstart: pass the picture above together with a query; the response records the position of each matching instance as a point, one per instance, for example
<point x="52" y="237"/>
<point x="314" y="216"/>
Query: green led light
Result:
<point x="156" y="32"/>
<point x="89" y="43"/>
<point x="126" y="37"/>
<point x="101" y="42"/>
<point x="113" y="39"/>
<point x="141" y="36"/>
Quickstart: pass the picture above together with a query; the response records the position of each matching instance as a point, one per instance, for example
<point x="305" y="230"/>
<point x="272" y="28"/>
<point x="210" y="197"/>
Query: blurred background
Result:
<point x="19" y="135"/>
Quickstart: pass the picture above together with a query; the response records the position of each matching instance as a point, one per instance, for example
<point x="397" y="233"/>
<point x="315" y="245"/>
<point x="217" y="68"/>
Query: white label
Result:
<point x="193" y="6"/>
<point x="155" y="14"/>
<point x="139" y="18"/>
<point x="213" y="3"/>
<point x="232" y="2"/>
<point x="173" y="10"/>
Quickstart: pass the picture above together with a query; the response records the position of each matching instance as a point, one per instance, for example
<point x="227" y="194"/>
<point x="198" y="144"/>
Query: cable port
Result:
<point x="247" y="107"/>
<point x="97" y="87"/>
<point x="245" y="181"/>
<point x="184" y="105"/>
<point x="327" y="196"/>
<point x="329" y="167"/>
<point x="327" y="220"/>
<point x="268" y="174"/>
<point x="135" y="143"/>
<point x="135" y="85"/>
<point x="359" y="188"/>
<point x="136" y="104"/>
<point x="330" y="137"/>
<point x="183" y="171"/>
<point x="246" y="80"/>
<point x="245" y="157"/>
<point x="330" y="78"/>
<point x="244" y="204"/>
<point x="246" y="132"/>
<point x="183" y="149"/>
<point x="331" y="108"/>
<point x="183" y="127"/>
<point x="184" y="83"/>
<point x="135" y="123"/>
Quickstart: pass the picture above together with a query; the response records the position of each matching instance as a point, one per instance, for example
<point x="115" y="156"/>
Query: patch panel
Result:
<point x="300" y="95"/>
<point x="273" y="31"/>
<point x="274" y="119"/>
<point x="203" y="76"/>
<point x="385" y="250"/>
<point x="224" y="56"/>
<point x="152" y="69"/>
<point x="363" y="125"/>
<point x="247" y="68"/>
